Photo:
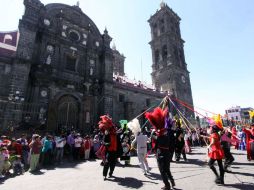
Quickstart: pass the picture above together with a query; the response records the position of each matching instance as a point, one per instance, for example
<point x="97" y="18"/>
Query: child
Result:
<point x="1" y="163"/>
<point x="18" y="167"/>
<point x="87" y="147"/>
<point x="4" y="162"/>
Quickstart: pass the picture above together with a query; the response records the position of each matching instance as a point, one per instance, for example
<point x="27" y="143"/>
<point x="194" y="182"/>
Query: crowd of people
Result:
<point x="110" y="143"/>
<point x="31" y="153"/>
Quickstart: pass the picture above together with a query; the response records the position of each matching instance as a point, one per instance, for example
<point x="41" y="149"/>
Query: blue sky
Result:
<point x="219" y="36"/>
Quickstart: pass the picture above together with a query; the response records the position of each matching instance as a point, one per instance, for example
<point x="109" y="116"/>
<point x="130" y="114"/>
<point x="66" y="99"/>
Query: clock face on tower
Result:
<point x="183" y="79"/>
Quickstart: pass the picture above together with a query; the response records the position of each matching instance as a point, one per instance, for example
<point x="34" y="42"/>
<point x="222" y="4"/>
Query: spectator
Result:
<point x="35" y="147"/>
<point x="18" y="167"/>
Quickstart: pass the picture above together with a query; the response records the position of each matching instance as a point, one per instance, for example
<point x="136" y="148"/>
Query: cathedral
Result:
<point x="59" y="72"/>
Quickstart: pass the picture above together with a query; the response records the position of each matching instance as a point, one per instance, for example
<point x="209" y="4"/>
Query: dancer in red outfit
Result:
<point x="249" y="142"/>
<point x="216" y="153"/>
<point x="234" y="138"/>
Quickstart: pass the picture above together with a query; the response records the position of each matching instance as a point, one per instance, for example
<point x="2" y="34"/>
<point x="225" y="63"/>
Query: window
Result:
<point x="74" y="35"/>
<point x="87" y="117"/>
<point x="121" y="98"/>
<point x="157" y="55"/>
<point x="155" y="30"/>
<point x="164" y="52"/>
<point x="162" y="26"/>
<point x="71" y="63"/>
<point x="176" y="54"/>
<point x="236" y="117"/>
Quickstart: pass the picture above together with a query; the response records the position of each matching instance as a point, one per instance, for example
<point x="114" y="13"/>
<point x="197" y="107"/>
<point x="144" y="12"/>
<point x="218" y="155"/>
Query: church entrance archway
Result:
<point x="68" y="110"/>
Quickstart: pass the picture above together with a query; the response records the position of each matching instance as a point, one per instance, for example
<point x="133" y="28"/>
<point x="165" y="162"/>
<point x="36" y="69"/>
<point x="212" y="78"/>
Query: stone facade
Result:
<point x="169" y="69"/>
<point x="68" y="75"/>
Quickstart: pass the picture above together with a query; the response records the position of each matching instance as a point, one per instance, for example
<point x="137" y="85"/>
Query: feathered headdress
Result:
<point x="105" y="123"/>
<point x="218" y="121"/>
<point x="168" y="121"/>
<point x="157" y="119"/>
<point x="134" y="126"/>
<point x="123" y="124"/>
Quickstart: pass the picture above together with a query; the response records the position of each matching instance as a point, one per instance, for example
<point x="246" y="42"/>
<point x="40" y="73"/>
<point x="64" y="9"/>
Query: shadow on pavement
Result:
<point x="197" y="162"/>
<point x="129" y="182"/>
<point x="127" y="166"/>
<point x="191" y="175"/>
<point x="196" y="153"/>
<point x="236" y="153"/>
<point x="238" y="163"/>
<point x="153" y="176"/>
<point x="242" y="173"/>
<point x="242" y="186"/>
<point x="197" y="169"/>
<point x="37" y="172"/>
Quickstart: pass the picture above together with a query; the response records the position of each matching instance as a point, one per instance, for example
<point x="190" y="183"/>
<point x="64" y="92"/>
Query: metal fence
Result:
<point x="14" y="114"/>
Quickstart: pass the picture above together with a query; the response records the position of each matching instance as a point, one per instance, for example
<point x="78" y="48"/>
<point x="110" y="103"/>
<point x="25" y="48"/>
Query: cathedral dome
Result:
<point x="70" y="14"/>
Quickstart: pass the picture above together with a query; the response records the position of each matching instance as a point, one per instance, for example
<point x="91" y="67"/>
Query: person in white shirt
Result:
<point x="142" y="141"/>
<point x="60" y="142"/>
<point x="77" y="145"/>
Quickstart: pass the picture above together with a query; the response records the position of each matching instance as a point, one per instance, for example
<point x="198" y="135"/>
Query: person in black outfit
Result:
<point x="113" y="151"/>
<point x="160" y="121"/>
<point x="179" y="145"/>
<point x="225" y="144"/>
<point x="163" y="155"/>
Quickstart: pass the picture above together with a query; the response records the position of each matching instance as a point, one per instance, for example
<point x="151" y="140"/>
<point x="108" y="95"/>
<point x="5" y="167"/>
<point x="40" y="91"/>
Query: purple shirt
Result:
<point x="70" y="140"/>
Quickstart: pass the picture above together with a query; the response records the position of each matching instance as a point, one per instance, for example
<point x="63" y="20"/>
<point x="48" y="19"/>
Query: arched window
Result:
<point x="155" y="29"/>
<point x="157" y="56"/>
<point x="162" y="26"/>
<point x="164" y="52"/>
<point x="176" y="55"/>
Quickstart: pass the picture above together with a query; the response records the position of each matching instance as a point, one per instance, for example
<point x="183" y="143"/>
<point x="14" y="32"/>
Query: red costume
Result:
<point x="216" y="151"/>
<point x="249" y="143"/>
<point x="234" y="138"/>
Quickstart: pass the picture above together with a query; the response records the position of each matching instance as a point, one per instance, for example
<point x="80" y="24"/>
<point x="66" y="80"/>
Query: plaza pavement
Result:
<point x="193" y="175"/>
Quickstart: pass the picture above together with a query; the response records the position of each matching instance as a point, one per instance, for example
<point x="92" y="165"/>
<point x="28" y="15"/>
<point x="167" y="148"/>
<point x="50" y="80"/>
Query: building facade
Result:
<point x="239" y="114"/>
<point x="64" y="74"/>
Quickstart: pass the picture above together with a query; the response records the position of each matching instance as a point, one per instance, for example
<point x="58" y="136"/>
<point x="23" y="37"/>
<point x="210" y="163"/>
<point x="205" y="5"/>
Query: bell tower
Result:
<point x="169" y="69"/>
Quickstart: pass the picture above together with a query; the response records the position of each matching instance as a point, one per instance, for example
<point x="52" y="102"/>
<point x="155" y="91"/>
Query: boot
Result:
<point x="173" y="182"/>
<point x="222" y="179"/>
<point x="218" y="180"/>
<point x="166" y="188"/>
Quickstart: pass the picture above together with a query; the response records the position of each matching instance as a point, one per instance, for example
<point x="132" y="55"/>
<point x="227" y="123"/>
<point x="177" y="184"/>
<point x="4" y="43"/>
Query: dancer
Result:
<point x="162" y="145"/>
<point x="187" y="135"/>
<point x="234" y="138"/>
<point x="111" y="145"/>
<point x="250" y="142"/>
<point x="141" y="139"/>
<point x="216" y="153"/>
<point x="179" y="145"/>
<point x="225" y="143"/>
